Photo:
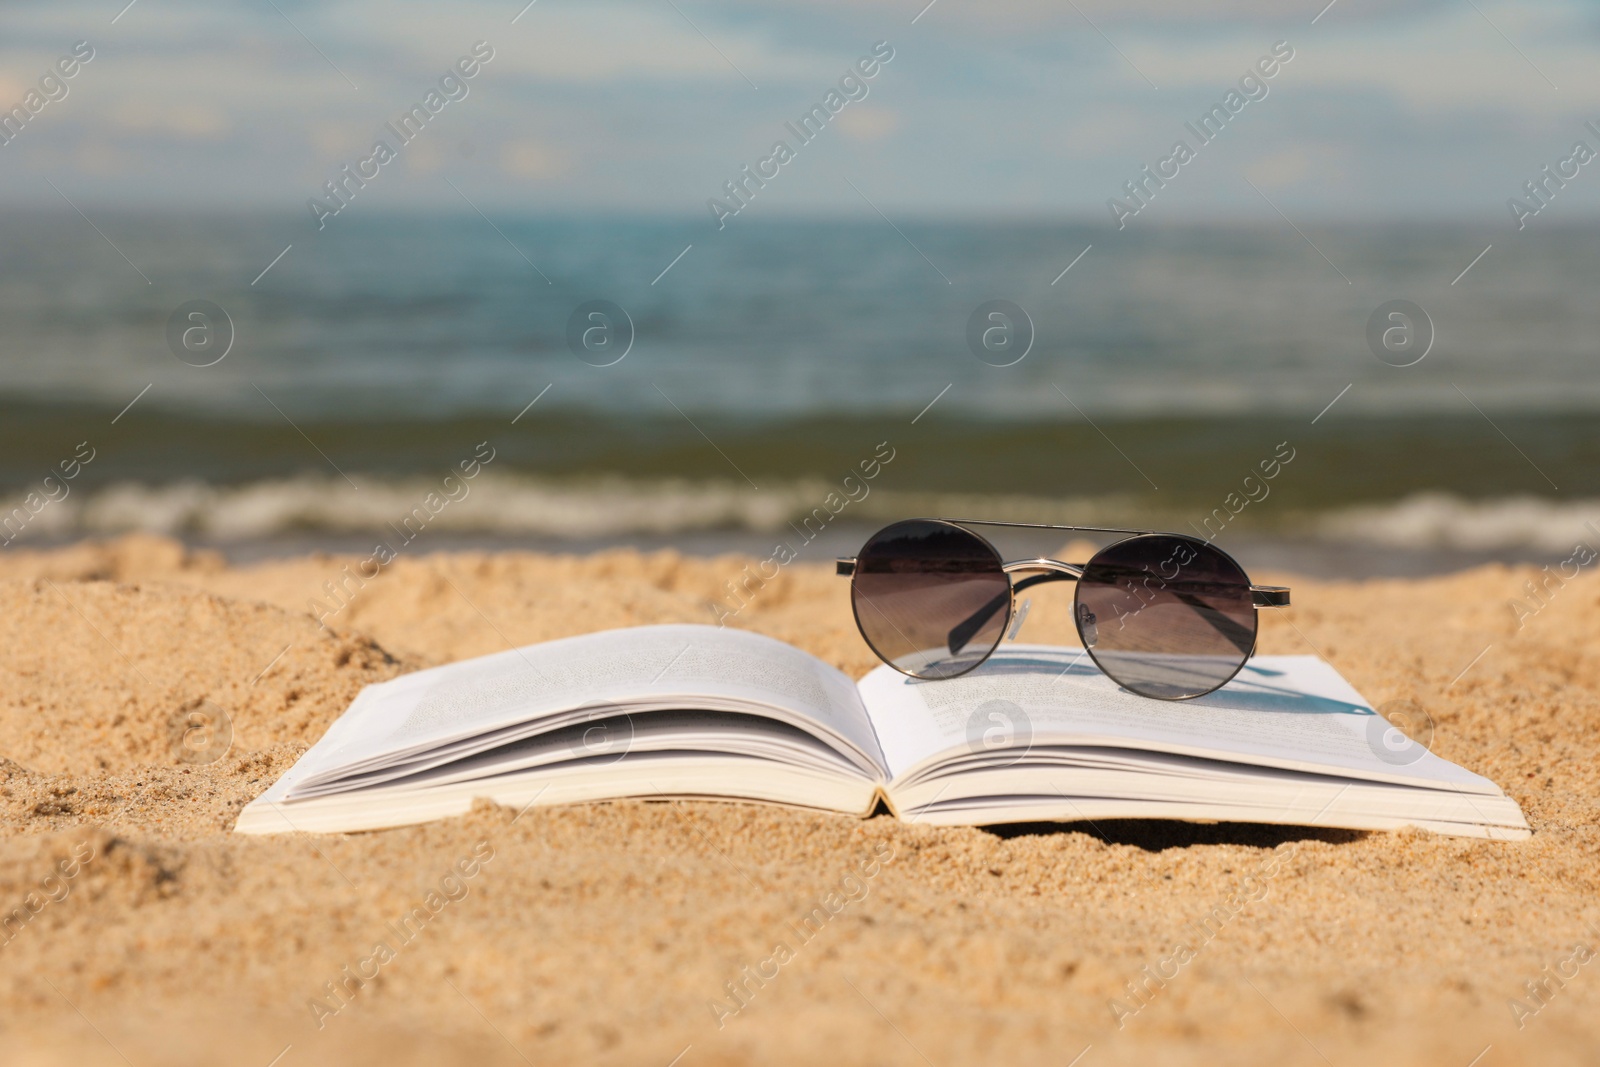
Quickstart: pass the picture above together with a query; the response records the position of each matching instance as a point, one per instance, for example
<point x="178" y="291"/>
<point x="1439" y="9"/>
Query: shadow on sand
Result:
<point x="1158" y="835"/>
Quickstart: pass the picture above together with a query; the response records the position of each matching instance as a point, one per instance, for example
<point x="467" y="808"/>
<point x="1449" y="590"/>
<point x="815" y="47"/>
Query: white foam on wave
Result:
<point x="517" y="505"/>
<point x="1443" y="520"/>
<point x="506" y="505"/>
<point x="491" y="504"/>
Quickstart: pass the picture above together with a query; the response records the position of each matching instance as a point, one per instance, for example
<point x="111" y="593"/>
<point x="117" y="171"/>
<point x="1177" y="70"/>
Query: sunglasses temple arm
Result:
<point x="1241" y="636"/>
<point x="965" y="630"/>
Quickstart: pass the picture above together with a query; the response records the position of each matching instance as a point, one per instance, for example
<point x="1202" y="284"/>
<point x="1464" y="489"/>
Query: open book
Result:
<point x="1035" y="734"/>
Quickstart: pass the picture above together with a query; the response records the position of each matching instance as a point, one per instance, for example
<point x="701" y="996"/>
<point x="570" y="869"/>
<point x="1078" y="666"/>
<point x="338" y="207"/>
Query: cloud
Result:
<point x="865" y="122"/>
<point x="1452" y="60"/>
<point x="617" y="44"/>
<point x="1289" y="166"/>
<point x="534" y="160"/>
<point x="103" y="160"/>
<point x="192" y="120"/>
<point x="636" y="105"/>
<point x="1008" y="17"/>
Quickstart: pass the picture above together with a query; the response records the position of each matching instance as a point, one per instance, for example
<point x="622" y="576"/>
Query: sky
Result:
<point x="1384" y="113"/>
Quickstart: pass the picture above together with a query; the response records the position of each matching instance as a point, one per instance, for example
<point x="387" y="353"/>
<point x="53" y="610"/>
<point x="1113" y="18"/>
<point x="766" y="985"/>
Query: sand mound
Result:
<point x="107" y="677"/>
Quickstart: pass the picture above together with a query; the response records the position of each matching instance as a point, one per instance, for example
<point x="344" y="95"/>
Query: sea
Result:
<point x="662" y="383"/>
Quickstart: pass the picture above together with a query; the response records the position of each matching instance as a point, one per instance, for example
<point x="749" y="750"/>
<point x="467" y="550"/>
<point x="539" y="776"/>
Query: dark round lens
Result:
<point x="1166" y="616"/>
<point x="930" y="597"/>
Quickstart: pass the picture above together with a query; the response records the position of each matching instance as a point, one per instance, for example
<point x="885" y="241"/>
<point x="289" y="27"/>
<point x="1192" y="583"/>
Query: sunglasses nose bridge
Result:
<point x="1039" y="571"/>
<point x="1041" y="564"/>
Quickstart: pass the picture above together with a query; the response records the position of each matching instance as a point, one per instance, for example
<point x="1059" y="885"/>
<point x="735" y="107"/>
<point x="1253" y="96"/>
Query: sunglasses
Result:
<point x="1164" y="615"/>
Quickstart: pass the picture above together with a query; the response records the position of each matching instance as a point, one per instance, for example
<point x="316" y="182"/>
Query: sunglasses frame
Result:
<point x="1044" y="570"/>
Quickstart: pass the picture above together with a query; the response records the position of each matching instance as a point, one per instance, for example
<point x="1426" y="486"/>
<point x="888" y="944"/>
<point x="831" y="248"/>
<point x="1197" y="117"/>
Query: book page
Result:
<point x="609" y="741"/>
<point x="647" y="667"/>
<point x="1295" y="712"/>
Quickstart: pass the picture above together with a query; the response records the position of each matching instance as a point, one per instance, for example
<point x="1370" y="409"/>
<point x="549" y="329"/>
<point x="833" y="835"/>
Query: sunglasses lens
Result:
<point x="1166" y="617"/>
<point x="930" y="598"/>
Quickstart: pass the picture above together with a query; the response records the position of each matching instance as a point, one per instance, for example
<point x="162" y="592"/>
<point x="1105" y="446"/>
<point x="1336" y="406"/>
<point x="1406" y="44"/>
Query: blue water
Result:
<point x="426" y="318"/>
<point x="768" y="359"/>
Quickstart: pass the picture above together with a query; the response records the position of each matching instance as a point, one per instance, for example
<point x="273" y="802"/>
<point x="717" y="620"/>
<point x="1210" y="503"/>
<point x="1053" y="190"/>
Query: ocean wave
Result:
<point x="501" y="504"/>
<point x="1446" y="521"/>
<point x="514" y="505"/>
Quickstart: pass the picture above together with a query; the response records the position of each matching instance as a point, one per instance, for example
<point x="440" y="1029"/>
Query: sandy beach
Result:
<point x="149" y="933"/>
